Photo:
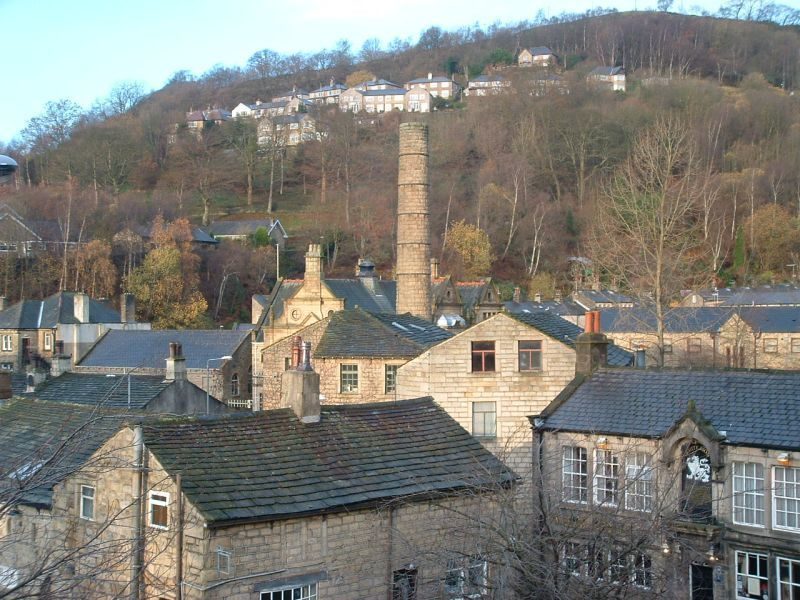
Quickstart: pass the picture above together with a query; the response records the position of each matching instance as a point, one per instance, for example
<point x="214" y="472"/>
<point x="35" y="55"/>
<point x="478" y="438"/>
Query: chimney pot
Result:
<point x="176" y="363"/>
<point x="296" y="342"/>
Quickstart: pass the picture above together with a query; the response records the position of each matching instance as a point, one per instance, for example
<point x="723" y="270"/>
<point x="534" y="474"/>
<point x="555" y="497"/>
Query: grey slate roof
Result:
<point x="52" y="311"/>
<point x="56" y="437"/>
<point x="92" y="389"/>
<point x="607" y="71"/>
<point x="438" y="79"/>
<point x="540" y="51"/>
<point x="566" y="332"/>
<point x="356" y="294"/>
<point x="765" y="295"/>
<point x="564" y="308"/>
<point x="149" y="349"/>
<point x="244" y="227"/>
<point x="384" y="92"/>
<point x="357" y="333"/>
<point x="269" y="465"/>
<point x="771" y="319"/>
<point x="754" y="408"/>
<point x="681" y="319"/>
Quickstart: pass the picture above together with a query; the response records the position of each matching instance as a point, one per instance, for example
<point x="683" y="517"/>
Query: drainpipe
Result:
<point x="389" y="554"/>
<point x="136" y="547"/>
<point x="179" y="549"/>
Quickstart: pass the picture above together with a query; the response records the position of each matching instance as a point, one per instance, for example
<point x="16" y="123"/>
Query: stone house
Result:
<point x="356" y="354"/>
<point x="491" y="376"/>
<point x="219" y="361"/>
<point x="487" y="85"/>
<point x="701" y="465"/>
<point x="784" y="294"/>
<point x="30" y="330"/>
<point x="245" y="229"/>
<point x="198" y="121"/>
<point x="438" y="87"/>
<point x="327" y="94"/>
<point x="612" y="78"/>
<point x="540" y="56"/>
<point x="26" y="237"/>
<point x="598" y="299"/>
<point x="287" y="130"/>
<point x="326" y="519"/>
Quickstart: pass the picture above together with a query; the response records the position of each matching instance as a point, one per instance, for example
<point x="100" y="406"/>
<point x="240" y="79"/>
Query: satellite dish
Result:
<point x="8" y="166"/>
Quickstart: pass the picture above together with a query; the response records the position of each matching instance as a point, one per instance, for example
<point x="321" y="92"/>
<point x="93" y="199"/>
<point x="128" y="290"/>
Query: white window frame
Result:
<point x="87" y="495"/>
<point x="575" y="480"/>
<point x="772" y="347"/>
<point x="742" y="576"/>
<point x="352" y="376"/>
<point x="152" y="502"/>
<point x="466" y="578"/>
<point x="748" y="503"/>
<point x="573" y="559"/>
<point x="306" y="592"/>
<point x="390" y="378"/>
<point x="8" y="343"/>
<point x="638" y="482"/>
<point x="224" y="561"/>
<point x="795" y="345"/>
<point x="605" y="482"/>
<point x="794" y="586"/>
<point x="780" y="485"/>
<point x="48" y="341"/>
<point x="640" y="569"/>
<point x="484" y="419"/>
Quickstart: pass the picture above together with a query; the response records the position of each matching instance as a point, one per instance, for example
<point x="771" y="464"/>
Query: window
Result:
<point x="48" y="341"/>
<point x="788" y="579"/>
<point x="7" y="366"/>
<point x="574" y="474"/>
<point x="484" y="419"/>
<point x="466" y="578"/>
<point x="87" y="502"/>
<point x="751" y="575"/>
<point x="348" y="377"/>
<point x="795" y="345"/>
<point x="606" y="477"/>
<point x="694" y="345"/>
<point x="390" y="379"/>
<point x="530" y="355"/>
<point x="158" y="514"/>
<point x="786" y="498"/>
<point x="638" y="482"/>
<point x="572" y="558"/>
<point x="404" y="584"/>
<point x="8" y="345"/>
<point x="303" y="592"/>
<point x="748" y="494"/>
<point x="235" y="384"/>
<point x="642" y="570"/>
<point x="223" y="561"/>
<point x="667" y="348"/>
<point x="771" y="345"/>
<point x="482" y="357"/>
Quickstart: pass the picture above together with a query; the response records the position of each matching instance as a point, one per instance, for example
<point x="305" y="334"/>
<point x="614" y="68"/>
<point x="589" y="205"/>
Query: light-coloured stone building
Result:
<point x="438" y="87"/>
<point x="491" y="376"/>
<point x="687" y="478"/>
<point x="540" y="56"/>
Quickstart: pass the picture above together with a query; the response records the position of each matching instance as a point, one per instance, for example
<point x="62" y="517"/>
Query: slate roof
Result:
<point x="282" y="291"/>
<point x="438" y="79"/>
<point x="760" y="409"/>
<point x="243" y="227"/>
<point x="540" y="51"/>
<point x="357" y="333"/>
<point x="355" y="293"/>
<point x="470" y="293"/>
<point x="766" y="295"/>
<point x="605" y="296"/>
<point x="269" y="465"/>
<point x="92" y="389"/>
<point x="52" y="311"/>
<point x="149" y="349"/>
<point x="771" y="319"/>
<point x="198" y="235"/>
<point x="55" y="437"/>
<point x="564" y="308"/>
<point x="607" y="71"/>
<point x="682" y="319"/>
<point x="329" y="88"/>
<point x="566" y="333"/>
<point x="384" y="92"/>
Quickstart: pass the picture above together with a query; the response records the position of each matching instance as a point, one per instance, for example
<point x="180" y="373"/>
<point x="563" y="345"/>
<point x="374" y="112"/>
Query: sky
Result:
<point x="80" y="49"/>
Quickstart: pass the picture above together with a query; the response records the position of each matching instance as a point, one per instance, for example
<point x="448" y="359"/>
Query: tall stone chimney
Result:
<point x="176" y="363"/>
<point x="80" y="303"/>
<point x="591" y="347"/>
<point x="301" y="388"/>
<point x="127" y="308"/>
<point x="413" y="227"/>
<point x="313" y="274"/>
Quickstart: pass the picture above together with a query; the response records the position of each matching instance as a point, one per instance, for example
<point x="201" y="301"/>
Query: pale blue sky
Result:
<point x="79" y="49"/>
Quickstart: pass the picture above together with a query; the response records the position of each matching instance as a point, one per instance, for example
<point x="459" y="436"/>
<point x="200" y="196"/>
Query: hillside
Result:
<point x="527" y="169"/>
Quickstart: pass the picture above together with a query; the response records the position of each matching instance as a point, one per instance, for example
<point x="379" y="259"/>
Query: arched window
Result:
<point x="235" y="384"/>
<point x="696" y="481"/>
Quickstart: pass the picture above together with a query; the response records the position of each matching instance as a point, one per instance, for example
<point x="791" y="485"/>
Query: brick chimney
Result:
<point x="301" y="388"/>
<point x="176" y="363"/>
<point x="61" y="361"/>
<point x="127" y="308"/>
<point x="591" y="347"/>
<point x="80" y="303"/>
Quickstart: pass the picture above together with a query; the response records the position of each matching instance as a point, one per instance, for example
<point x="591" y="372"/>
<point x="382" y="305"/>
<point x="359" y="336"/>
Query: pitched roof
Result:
<point x="540" y="51"/>
<point x="752" y="408"/>
<point x="52" y="311"/>
<point x="384" y="92"/>
<point x="605" y="296"/>
<point x="243" y="227"/>
<point x="565" y="307"/>
<point x="357" y="333"/>
<point x="770" y="319"/>
<point x="41" y="443"/>
<point x="269" y="465"/>
<point x="109" y="391"/>
<point x="471" y="292"/>
<point x="356" y="294"/>
<point x="681" y="319"/>
<point x="607" y="71"/>
<point x="566" y="333"/>
<point x="439" y="79"/>
<point x="149" y="349"/>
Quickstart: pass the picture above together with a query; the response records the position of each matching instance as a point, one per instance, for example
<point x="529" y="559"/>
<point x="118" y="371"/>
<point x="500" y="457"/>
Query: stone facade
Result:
<point x="413" y="227"/>
<point x="445" y="372"/>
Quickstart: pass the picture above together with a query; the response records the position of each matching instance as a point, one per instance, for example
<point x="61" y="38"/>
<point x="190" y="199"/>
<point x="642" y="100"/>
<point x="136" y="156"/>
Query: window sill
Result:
<point x="484" y="373"/>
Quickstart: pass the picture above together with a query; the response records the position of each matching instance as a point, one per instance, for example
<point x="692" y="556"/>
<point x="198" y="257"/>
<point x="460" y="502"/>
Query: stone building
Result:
<point x="438" y="87"/>
<point x="361" y="501"/>
<point x="356" y="354"/>
<point x="219" y="361"/>
<point x="540" y="56"/>
<point x="491" y="376"/>
<point x="688" y="478"/>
